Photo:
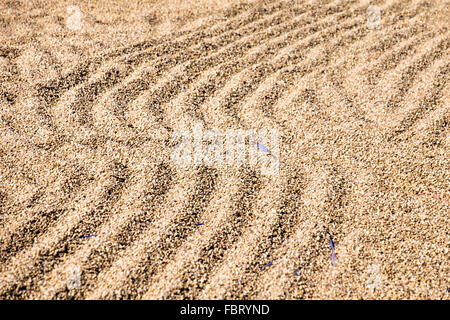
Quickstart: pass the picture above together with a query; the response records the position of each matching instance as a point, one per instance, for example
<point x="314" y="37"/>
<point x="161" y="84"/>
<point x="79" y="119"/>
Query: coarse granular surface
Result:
<point x="93" y="207"/>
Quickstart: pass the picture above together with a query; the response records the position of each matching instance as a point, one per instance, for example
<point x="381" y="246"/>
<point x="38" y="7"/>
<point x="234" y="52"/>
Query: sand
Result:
<point x="92" y="207"/>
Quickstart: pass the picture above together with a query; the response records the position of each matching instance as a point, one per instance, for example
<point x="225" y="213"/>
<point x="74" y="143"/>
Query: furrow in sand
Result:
<point x="211" y="254"/>
<point x="354" y="166"/>
<point x="176" y="263"/>
<point x="413" y="67"/>
<point x="286" y="75"/>
<point x="255" y="71"/>
<point x="136" y="213"/>
<point x="154" y="102"/>
<point x="150" y="238"/>
<point x="215" y="216"/>
<point x="221" y="37"/>
<point x="437" y="133"/>
<point x="183" y="289"/>
<point x="114" y="220"/>
<point x="247" y="259"/>
<point x="195" y="69"/>
<point x="50" y="193"/>
<point x="354" y="77"/>
<point x="90" y="210"/>
<point x="15" y="169"/>
<point x="31" y="217"/>
<point x="194" y="274"/>
<point x="276" y="87"/>
<point x="327" y="200"/>
<point x="183" y="198"/>
<point x="48" y="93"/>
<point x="175" y="235"/>
<point x="56" y="87"/>
<point x="239" y="256"/>
<point x="227" y="25"/>
<point x="173" y="88"/>
<point x="339" y="83"/>
<point x="433" y="129"/>
<point x="198" y="283"/>
<point x="270" y="234"/>
<point x="17" y="237"/>
<point x="360" y="86"/>
<point x="161" y="60"/>
<point x="426" y="105"/>
<point x="411" y="39"/>
<point x="349" y="103"/>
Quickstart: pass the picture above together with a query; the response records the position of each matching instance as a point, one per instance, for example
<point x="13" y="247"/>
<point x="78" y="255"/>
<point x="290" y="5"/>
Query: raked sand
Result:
<point x="93" y="207"/>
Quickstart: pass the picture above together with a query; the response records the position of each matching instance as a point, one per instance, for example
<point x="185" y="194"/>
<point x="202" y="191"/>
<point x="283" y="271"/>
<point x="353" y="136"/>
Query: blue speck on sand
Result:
<point x="267" y="265"/>
<point x="200" y="224"/>
<point x="333" y="255"/>
<point x="263" y="148"/>
<point x="88" y="236"/>
<point x="331" y="244"/>
<point x="296" y="272"/>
